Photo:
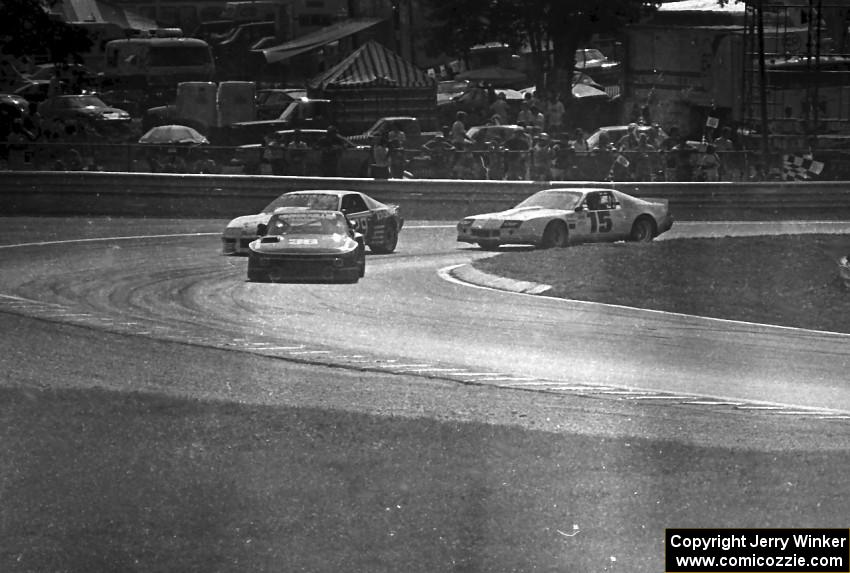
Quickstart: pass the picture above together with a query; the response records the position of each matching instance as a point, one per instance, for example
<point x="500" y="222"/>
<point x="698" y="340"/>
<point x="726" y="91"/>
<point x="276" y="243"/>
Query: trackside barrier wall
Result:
<point x="225" y="196"/>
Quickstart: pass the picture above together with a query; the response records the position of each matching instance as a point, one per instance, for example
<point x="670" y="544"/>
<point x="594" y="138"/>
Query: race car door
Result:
<point x="354" y="207"/>
<point x="604" y="219"/>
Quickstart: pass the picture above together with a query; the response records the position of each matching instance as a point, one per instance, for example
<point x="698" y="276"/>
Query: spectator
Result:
<point x="440" y="152"/>
<point x="629" y="142"/>
<point x="458" y="130"/>
<point x="380" y="165"/>
<point x="643" y="160"/>
<point x="395" y="143"/>
<point x="669" y="148"/>
<point x="541" y="158"/>
<point x="205" y="164"/>
<point x="563" y="163"/>
<point x="174" y="163"/>
<point x="516" y="150"/>
<point x="495" y="159"/>
<point x="580" y="143"/>
<point x="555" y="115"/>
<point x="525" y="115"/>
<point x="730" y="164"/>
<point x="331" y="147"/>
<point x="296" y="154"/>
<point x="19" y="141"/>
<point x="469" y="165"/>
<point x="275" y="154"/>
<point x="500" y="108"/>
<point x="709" y="164"/>
<point x="539" y="120"/>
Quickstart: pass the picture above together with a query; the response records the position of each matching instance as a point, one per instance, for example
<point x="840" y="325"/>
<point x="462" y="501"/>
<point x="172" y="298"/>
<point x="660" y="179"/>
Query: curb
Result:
<point x="469" y="274"/>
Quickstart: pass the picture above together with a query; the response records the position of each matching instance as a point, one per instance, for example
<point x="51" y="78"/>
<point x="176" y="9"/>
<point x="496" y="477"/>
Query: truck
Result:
<point x="146" y="63"/>
<point x="226" y="113"/>
<point x="209" y="107"/>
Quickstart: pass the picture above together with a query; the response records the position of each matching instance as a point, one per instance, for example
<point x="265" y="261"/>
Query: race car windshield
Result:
<point x="321" y="201"/>
<point x="553" y="200"/>
<point x="308" y="224"/>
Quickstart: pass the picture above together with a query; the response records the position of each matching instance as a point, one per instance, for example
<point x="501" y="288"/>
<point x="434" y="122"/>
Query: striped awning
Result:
<point x="372" y="65"/>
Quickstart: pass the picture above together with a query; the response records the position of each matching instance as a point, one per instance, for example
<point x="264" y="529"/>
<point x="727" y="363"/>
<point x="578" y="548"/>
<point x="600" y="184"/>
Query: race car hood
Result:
<point x="518" y="214"/>
<point x="304" y="244"/>
<point x="246" y="226"/>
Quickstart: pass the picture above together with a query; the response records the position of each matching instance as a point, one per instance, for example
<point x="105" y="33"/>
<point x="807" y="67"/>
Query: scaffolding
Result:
<point x="796" y="72"/>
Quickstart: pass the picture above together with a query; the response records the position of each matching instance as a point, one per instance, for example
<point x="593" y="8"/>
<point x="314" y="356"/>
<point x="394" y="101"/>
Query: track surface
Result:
<point x="406" y="317"/>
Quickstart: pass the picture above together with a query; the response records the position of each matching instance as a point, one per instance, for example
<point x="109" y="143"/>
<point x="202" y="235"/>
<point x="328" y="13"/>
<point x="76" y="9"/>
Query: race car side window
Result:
<point x="606" y="201"/>
<point x="353" y="203"/>
<point x="594" y="202"/>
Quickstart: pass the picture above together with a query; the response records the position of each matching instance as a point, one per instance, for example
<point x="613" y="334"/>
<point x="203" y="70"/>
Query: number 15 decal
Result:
<point x="600" y="221"/>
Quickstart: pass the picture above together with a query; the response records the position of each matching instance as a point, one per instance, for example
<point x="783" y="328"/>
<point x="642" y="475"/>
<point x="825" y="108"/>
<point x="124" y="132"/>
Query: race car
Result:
<point x="560" y="217"/>
<point x="307" y="245"/>
<point x="377" y="222"/>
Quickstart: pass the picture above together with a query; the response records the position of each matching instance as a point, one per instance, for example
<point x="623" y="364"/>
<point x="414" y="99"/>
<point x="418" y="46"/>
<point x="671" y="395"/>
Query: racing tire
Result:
<point x="389" y="242"/>
<point x="555" y="235"/>
<point x="643" y="230"/>
<point x="489" y="245"/>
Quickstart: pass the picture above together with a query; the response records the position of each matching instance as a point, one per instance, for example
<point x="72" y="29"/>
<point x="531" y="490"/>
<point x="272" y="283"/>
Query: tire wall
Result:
<point x="225" y="196"/>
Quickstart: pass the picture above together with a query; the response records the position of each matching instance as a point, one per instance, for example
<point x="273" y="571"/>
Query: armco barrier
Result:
<point x="224" y="196"/>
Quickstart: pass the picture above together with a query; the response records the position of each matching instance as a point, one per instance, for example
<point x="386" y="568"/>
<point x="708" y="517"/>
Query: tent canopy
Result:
<point x="372" y="65"/>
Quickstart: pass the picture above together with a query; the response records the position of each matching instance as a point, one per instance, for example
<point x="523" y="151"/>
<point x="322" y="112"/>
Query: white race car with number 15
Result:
<point x="560" y="217"/>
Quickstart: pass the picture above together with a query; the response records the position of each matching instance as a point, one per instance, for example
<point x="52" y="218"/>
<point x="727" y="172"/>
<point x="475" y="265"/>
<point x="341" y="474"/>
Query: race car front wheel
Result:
<point x="554" y="235"/>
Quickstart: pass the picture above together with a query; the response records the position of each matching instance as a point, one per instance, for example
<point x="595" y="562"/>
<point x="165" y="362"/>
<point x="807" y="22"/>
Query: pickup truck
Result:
<point x="414" y="136"/>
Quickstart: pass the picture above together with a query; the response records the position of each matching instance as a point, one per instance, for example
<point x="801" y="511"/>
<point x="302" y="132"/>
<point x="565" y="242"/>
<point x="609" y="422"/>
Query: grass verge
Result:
<point x="787" y="280"/>
<point x="95" y="481"/>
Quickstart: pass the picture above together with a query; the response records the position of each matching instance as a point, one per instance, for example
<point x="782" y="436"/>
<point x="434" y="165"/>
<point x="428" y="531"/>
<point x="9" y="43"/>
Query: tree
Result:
<point x="27" y="28"/>
<point x="556" y="26"/>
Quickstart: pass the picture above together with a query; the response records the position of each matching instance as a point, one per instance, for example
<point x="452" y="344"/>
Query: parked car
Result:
<point x="307" y="245"/>
<point x="34" y="91"/>
<point x="354" y="161"/>
<point x="560" y="217"/>
<point x="84" y="108"/>
<point x="379" y="223"/>
<point x="414" y="136"/>
<point x="480" y="135"/>
<point x="615" y="132"/>
<point x="272" y="102"/>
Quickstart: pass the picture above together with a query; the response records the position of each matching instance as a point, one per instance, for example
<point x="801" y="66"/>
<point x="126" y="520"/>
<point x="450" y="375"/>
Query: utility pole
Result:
<point x="762" y="84"/>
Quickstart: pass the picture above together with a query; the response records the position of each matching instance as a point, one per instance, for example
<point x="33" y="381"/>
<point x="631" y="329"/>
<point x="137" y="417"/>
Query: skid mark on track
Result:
<point x="330" y="357"/>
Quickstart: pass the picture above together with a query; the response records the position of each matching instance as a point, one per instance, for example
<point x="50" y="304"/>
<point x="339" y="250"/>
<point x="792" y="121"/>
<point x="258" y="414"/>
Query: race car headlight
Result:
<point x="511" y="224"/>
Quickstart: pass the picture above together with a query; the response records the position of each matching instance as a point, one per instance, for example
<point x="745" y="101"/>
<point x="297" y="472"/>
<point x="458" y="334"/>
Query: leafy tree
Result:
<point x="561" y="26"/>
<point x="27" y="28"/>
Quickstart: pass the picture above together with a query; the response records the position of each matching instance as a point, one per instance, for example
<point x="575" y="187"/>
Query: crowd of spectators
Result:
<point x="543" y="148"/>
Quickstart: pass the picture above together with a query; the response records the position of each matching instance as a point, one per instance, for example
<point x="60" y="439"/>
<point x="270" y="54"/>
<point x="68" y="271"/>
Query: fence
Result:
<point x="226" y="196"/>
<point x="472" y="164"/>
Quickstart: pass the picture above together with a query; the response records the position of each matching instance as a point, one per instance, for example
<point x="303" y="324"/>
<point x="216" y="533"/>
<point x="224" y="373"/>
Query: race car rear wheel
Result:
<point x="643" y="230"/>
<point x="389" y="242"/>
<point x="554" y="235"/>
